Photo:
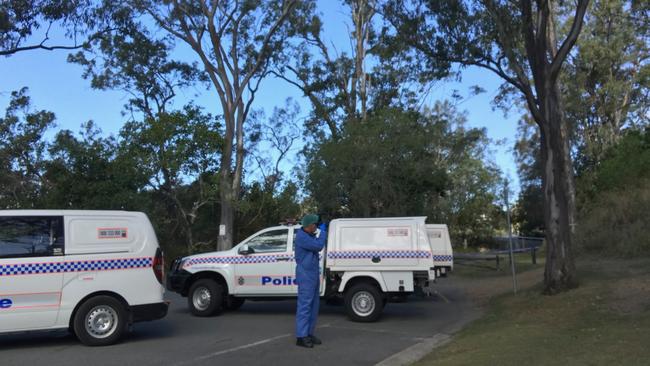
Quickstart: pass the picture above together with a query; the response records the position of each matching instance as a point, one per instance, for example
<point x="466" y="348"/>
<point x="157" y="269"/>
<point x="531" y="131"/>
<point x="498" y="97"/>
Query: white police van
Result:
<point x="367" y="262"/>
<point x="92" y="272"/>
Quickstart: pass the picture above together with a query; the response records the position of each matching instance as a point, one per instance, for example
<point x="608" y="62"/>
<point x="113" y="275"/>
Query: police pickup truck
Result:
<point x="367" y="262"/>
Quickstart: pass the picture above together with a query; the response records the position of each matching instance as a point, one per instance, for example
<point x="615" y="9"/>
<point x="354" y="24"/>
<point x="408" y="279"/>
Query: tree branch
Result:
<point x="570" y="40"/>
<point x="265" y="43"/>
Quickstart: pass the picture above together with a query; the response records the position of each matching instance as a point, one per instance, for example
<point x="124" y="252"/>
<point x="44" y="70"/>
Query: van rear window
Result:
<point x="31" y="236"/>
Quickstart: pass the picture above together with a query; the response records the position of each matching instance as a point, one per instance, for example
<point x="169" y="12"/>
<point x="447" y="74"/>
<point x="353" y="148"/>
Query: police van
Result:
<point x="92" y="272"/>
<point x="366" y="262"/>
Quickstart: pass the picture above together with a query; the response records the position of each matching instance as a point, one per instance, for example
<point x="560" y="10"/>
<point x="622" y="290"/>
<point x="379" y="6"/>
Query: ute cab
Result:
<point x="367" y="262"/>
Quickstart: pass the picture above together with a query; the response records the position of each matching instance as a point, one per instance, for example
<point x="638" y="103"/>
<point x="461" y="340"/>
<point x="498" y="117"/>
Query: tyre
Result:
<point x="234" y="303"/>
<point x="100" y="321"/>
<point x="205" y="298"/>
<point x="364" y="302"/>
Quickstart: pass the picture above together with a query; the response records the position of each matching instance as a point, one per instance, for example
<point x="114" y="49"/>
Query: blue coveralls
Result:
<point x="307" y="276"/>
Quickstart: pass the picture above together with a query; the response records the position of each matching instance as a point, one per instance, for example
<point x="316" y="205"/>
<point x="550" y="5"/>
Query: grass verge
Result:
<point x="606" y="321"/>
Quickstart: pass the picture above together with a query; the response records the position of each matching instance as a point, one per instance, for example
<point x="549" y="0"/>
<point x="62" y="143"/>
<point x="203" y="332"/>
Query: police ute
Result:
<point x="92" y="272"/>
<point x="366" y="262"/>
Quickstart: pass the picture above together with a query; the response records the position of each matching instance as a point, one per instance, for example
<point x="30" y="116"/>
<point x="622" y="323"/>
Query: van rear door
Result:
<point x="440" y="245"/>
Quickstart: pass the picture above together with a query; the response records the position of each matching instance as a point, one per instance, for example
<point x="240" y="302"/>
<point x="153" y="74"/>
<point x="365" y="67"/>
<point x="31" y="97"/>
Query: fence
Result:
<point x="520" y="244"/>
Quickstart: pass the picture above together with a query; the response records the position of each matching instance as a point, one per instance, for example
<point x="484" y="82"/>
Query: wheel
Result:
<point x="205" y="298"/>
<point x="364" y="302"/>
<point x="234" y="303"/>
<point x="100" y="321"/>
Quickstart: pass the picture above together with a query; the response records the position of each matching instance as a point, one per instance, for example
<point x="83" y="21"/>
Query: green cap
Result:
<point x="308" y="220"/>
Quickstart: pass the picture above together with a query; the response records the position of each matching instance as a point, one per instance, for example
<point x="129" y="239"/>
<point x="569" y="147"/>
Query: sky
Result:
<point x="57" y="86"/>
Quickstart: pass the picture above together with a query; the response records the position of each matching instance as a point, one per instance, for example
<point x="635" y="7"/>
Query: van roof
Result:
<point x="65" y="212"/>
<point x="384" y="218"/>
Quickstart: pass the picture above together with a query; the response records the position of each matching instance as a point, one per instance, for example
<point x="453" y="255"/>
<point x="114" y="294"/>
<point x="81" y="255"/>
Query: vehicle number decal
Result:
<point x="112" y="233"/>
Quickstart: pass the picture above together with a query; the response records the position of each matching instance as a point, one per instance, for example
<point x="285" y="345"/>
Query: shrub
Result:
<point x="616" y="222"/>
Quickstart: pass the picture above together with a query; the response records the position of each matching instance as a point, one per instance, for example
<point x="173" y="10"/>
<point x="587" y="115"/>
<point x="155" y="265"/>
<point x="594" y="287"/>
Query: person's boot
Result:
<point x="315" y="340"/>
<point x="305" y="342"/>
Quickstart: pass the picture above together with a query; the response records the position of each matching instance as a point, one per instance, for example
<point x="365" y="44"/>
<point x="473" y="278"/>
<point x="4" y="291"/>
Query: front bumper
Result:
<point x="177" y="278"/>
<point x="147" y="312"/>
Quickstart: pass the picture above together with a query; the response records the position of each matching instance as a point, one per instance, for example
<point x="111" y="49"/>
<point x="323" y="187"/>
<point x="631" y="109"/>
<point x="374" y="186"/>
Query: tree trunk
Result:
<point x="227" y="219"/>
<point x="558" y="189"/>
<point x="226" y="190"/>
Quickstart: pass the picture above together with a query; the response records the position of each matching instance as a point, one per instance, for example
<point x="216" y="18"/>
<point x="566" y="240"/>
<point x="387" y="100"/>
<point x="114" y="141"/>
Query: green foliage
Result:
<point x="260" y="207"/>
<point x="399" y="163"/>
<point x="374" y="170"/>
<point x="528" y="213"/>
<point x="22" y="152"/>
<point x="625" y="165"/>
<point x="133" y="59"/>
<point x="614" y="200"/>
<point x="178" y="153"/>
<point x="607" y="83"/>
<point x="175" y="145"/>
<point x="84" y="173"/>
<point x="21" y="20"/>
<point x="616" y="223"/>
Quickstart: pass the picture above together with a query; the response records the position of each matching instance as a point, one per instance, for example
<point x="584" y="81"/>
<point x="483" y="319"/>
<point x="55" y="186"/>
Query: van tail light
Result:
<point x="159" y="265"/>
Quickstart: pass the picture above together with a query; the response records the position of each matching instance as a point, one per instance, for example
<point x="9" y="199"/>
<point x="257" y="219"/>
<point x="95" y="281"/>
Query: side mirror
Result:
<point x="245" y="250"/>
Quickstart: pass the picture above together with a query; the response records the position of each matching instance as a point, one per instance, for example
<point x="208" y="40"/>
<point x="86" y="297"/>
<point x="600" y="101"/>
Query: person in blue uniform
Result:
<point x="308" y="247"/>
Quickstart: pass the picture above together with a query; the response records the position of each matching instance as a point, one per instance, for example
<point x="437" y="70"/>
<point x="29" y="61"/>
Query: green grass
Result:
<point x="579" y="327"/>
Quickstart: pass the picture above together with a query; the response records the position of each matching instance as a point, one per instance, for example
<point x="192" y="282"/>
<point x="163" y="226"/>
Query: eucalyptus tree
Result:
<point x="175" y="148"/>
<point x="345" y="79"/>
<point x="237" y="44"/>
<point x="518" y="41"/>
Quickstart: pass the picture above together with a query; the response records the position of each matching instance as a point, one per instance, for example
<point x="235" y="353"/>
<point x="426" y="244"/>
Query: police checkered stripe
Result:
<point x="236" y="260"/>
<point x="443" y="258"/>
<point x="74" y="266"/>
<point x="405" y="254"/>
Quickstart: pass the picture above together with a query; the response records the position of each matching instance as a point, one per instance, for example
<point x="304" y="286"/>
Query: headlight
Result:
<point x="176" y="264"/>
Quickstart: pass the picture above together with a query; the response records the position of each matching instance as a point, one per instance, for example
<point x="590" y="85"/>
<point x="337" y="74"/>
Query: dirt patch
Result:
<point x="630" y="295"/>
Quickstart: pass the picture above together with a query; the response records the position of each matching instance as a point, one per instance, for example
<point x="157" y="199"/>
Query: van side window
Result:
<point x="31" y="236"/>
<point x="270" y="241"/>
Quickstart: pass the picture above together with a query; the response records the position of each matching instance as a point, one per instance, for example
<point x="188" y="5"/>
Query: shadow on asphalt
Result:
<point x="163" y="329"/>
<point x="62" y="338"/>
<point x="37" y="339"/>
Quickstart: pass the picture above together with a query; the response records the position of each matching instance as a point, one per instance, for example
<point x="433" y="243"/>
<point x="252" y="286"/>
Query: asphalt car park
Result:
<point x="259" y="333"/>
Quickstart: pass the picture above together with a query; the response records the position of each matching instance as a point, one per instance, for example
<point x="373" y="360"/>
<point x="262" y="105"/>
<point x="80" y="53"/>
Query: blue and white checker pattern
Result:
<point x="443" y="258"/>
<point x="20" y="269"/>
<point x="397" y="254"/>
<point x="250" y="259"/>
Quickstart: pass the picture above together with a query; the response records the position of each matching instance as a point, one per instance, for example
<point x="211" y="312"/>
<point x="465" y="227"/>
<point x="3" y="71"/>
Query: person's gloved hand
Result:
<point x="322" y="227"/>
